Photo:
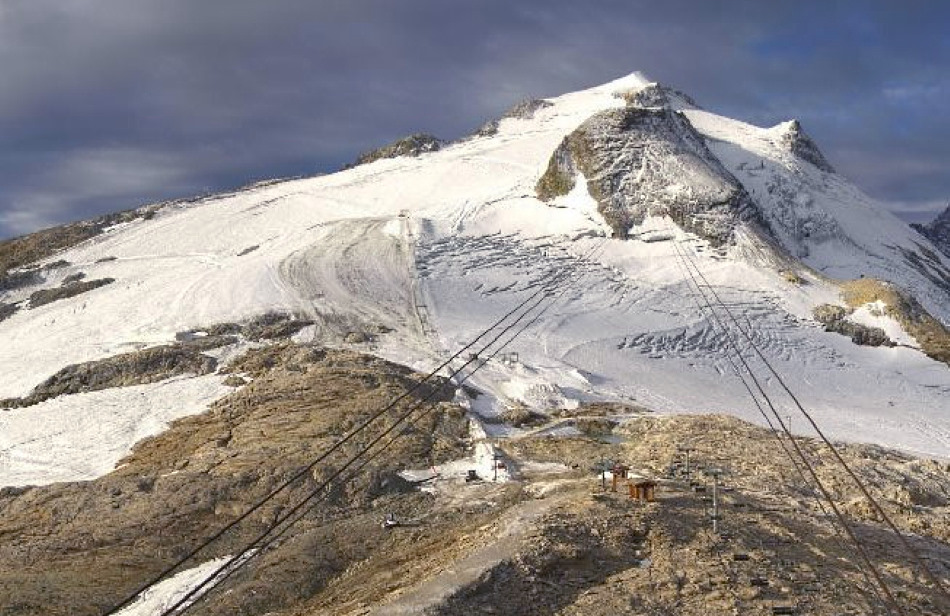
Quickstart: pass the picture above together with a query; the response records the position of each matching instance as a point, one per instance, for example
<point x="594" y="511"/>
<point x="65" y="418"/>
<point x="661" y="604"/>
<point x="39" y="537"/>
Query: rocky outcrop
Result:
<point x="69" y="288"/>
<point x="146" y="366"/>
<point x="801" y="145"/>
<point x="932" y="335"/>
<point x="7" y="310"/>
<point x="413" y="145"/>
<point x="523" y="110"/>
<point x="273" y="326"/>
<point x="649" y="161"/>
<point x="11" y="281"/>
<point x="937" y="231"/>
<point x="834" y="318"/>
<point x="657" y="95"/>
<point x="22" y="251"/>
<point x="268" y="326"/>
<point x="78" y="548"/>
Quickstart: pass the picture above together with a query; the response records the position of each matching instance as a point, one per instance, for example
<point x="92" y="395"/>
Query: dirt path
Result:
<point x="434" y="591"/>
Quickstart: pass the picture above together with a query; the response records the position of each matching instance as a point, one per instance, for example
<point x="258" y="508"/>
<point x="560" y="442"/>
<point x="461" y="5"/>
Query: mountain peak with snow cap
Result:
<point x="586" y="265"/>
<point x="801" y="145"/>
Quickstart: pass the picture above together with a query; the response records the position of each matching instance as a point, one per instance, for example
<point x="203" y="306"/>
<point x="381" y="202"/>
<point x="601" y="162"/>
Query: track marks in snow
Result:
<point x="355" y="278"/>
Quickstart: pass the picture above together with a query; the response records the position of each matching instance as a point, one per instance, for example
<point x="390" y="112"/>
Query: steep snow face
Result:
<point x="821" y="218"/>
<point x="649" y="161"/>
<point x="801" y="145"/>
<point x="938" y="231"/>
<point x="432" y="249"/>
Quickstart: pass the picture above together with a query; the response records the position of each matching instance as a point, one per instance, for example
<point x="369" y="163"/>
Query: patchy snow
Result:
<point x="83" y="436"/>
<point x="873" y="315"/>
<point x="416" y="256"/>
<point x="162" y="596"/>
<point x="487" y="461"/>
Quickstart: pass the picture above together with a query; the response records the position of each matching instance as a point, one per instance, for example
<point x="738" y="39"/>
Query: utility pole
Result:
<point x="687" y="450"/>
<point x="714" y="473"/>
<point x="788" y="419"/>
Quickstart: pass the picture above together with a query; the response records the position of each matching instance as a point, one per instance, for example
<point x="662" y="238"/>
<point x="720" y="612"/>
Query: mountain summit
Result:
<point x="413" y="252"/>
<point x="509" y="310"/>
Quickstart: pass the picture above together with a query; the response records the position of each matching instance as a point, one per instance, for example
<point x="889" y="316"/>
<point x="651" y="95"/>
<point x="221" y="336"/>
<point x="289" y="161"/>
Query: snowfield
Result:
<point x="83" y="436"/>
<point x="423" y="253"/>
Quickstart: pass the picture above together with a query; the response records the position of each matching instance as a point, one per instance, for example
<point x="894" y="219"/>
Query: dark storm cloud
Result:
<point x="105" y="104"/>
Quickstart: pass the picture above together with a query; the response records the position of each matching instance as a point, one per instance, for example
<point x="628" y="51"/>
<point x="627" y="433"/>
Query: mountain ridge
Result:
<point x="464" y="236"/>
<point x="677" y="259"/>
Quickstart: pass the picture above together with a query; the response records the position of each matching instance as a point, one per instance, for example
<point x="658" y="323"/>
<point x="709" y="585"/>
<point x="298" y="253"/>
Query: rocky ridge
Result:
<point x="937" y="231"/>
<point x="411" y="145"/>
<point x="641" y="161"/>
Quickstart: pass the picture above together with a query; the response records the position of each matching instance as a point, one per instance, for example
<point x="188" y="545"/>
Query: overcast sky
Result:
<point x="110" y="104"/>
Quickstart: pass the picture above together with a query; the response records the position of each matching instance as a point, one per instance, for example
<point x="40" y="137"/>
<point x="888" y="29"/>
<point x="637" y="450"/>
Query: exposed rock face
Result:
<point x="932" y="335"/>
<point x="146" y="366"/>
<point x="154" y="364"/>
<point x="937" y="231"/>
<point x="272" y="326"/>
<point x="649" y="161"/>
<point x="413" y="145"/>
<point x="268" y="326"/>
<point x="12" y="281"/>
<point x="523" y="110"/>
<point x="834" y="318"/>
<point x="802" y="146"/>
<point x="7" y="310"/>
<point x="656" y="95"/>
<point x="42" y="244"/>
<point x="68" y="289"/>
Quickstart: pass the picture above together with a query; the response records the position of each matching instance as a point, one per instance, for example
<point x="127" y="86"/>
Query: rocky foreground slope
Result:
<point x="549" y="541"/>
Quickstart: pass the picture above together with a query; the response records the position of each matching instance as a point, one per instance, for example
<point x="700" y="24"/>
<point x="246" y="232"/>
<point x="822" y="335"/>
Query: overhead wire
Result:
<point x="843" y="522"/>
<point x="224" y="571"/>
<point x="837" y="455"/>
<point x="681" y="260"/>
<point x="322" y="457"/>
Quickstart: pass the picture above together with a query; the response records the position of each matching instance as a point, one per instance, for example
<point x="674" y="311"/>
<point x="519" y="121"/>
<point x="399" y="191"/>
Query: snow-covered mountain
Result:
<point x="938" y="231"/>
<point x="410" y="257"/>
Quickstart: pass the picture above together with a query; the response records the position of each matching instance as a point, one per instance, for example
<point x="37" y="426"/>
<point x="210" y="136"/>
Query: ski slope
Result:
<point x="424" y="253"/>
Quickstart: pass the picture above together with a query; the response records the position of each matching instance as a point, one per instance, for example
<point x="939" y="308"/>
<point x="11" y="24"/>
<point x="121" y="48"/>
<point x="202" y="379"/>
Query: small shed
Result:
<point x="643" y="490"/>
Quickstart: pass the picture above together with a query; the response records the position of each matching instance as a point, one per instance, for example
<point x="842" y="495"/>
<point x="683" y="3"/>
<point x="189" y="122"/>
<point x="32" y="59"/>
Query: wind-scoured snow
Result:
<point x="423" y="253"/>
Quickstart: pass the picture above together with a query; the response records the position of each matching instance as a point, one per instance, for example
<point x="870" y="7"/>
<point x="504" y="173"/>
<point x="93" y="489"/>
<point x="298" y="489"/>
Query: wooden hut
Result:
<point x="642" y="489"/>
